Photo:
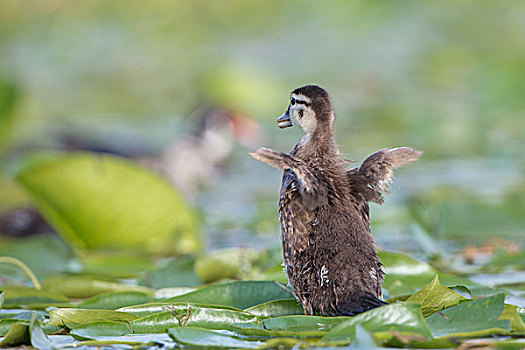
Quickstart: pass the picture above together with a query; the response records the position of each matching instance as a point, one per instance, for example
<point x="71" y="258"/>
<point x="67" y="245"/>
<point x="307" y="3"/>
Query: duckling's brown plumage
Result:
<point x="329" y="253"/>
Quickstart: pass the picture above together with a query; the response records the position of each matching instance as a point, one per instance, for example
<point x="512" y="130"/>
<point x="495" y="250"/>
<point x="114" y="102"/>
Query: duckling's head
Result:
<point x="310" y="108"/>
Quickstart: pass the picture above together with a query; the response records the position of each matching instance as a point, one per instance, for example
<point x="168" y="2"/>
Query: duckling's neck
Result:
<point x="318" y="146"/>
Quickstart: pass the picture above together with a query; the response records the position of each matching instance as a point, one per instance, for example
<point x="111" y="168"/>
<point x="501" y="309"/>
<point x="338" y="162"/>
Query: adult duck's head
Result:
<point x="310" y="108"/>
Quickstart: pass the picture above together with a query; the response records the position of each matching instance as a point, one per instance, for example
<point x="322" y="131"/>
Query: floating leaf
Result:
<point x="510" y="312"/>
<point x="85" y="287"/>
<point x="434" y="297"/>
<point x="403" y="318"/>
<point x="226" y="263"/>
<point x="6" y="324"/>
<point x="258" y="331"/>
<point x="20" y="295"/>
<point x="71" y="318"/>
<point x="176" y="273"/>
<point x="200" y="337"/>
<point x="473" y="318"/>
<point x="101" y="328"/>
<point x="277" y="308"/>
<point x="117" y="265"/>
<point x="167" y="293"/>
<point x="302" y="323"/>
<point x="18" y="335"/>
<point x="103" y="201"/>
<point x="114" y="300"/>
<point x="239" y="294"/>
<point x="155" y="308"/>
<point x="405" y="275"/>
<point x="38" y="338"/>
<point x="192" y="316"/>
<point x="44" y="254"/>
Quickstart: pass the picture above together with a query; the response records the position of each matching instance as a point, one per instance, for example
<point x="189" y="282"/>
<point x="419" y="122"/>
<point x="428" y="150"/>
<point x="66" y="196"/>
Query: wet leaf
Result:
<point x="239" y="294"/>
<point x="85" y="287"/>
<point x="434" y="297"/>
<point x="5" y="325"/>
<point x="277" y="308"/>
<point x="155" y="308"/>
<point x="363" y="339"/>
<point x="226" y="263"/>
<point x="473" y="318"/>
<point x="403" y="318"/>
<point x="281" y="343"/>
<point x="166" y="293"/>
<point x="116" y="265"/>
<point x="85" y="196"/>
<point x="257" y="331"/>
<point x="191" y="316"/>
<point x="38" y="338"/>
<point x="510" y="312"/>
<point x="101" y="328"/>
<point x="19" y="295"/>
<point x="44" y="254"/>
<point x="302" y="323"/>
<point x="17" y="335"/>
<point x="71" y="318"/>
<point x="200" y="337"/>
<point x="115" y="300"/>
<point x="176" y="273"/>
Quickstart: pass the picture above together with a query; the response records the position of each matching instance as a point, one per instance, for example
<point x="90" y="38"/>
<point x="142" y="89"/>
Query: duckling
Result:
<point x="328" y="249"/>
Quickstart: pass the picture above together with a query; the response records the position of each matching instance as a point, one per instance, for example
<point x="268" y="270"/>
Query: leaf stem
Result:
<point x="23" y="267"/>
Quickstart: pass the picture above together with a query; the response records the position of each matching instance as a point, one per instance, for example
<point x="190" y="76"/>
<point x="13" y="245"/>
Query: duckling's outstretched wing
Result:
<point x="373" y="178"/>
<point x="312" y="191"/>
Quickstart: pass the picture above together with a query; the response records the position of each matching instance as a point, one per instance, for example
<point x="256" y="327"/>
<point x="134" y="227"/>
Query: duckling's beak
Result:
<point x="284" y="120"/>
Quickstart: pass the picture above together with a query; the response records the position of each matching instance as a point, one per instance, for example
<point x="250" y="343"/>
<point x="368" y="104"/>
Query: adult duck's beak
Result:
<point x="284" y="120"/>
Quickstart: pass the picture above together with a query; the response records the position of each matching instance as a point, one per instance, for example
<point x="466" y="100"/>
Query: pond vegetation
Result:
<point x="94" y="97"/>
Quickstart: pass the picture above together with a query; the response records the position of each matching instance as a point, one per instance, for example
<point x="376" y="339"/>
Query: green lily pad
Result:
<point x="85" y="287"/>
<point x="44" y="254"/>
<point x="403" y="318"/>
<point x="510" y="312"/>
<point x="6" y="324"/>
<point x="176" y="273"/>
<point x="405" y="275"/>
<point x="276" y="308"/>
<point x="17" y="335"/>
<point x="22" y="296"/>
<point x="115" y="300"/>
<point x="226" y="263"/>
<point x="103" y="201"/>
<point x="434" y="297"/>
<point x="101" y="328"/>
<point x="71" y="318"/>
<point x="473" y="318"/>
<point x="200" y="337"/>
<point x="39" y="340"/>
<point x="302" y="323"/>
<point x="155" y="308"/>
<point x="167" y="293"/>
<point x="116" y="265"/>
<point x="192" y="316"/>
<point x="239" y="294"/>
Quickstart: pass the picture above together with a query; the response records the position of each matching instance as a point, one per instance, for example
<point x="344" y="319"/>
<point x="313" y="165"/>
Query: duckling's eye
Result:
<point x="292" y="101"/>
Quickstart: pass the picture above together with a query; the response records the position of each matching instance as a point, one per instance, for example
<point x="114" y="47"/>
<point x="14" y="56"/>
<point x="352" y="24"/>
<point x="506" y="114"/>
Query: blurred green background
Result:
<point x="136" y="78"/>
